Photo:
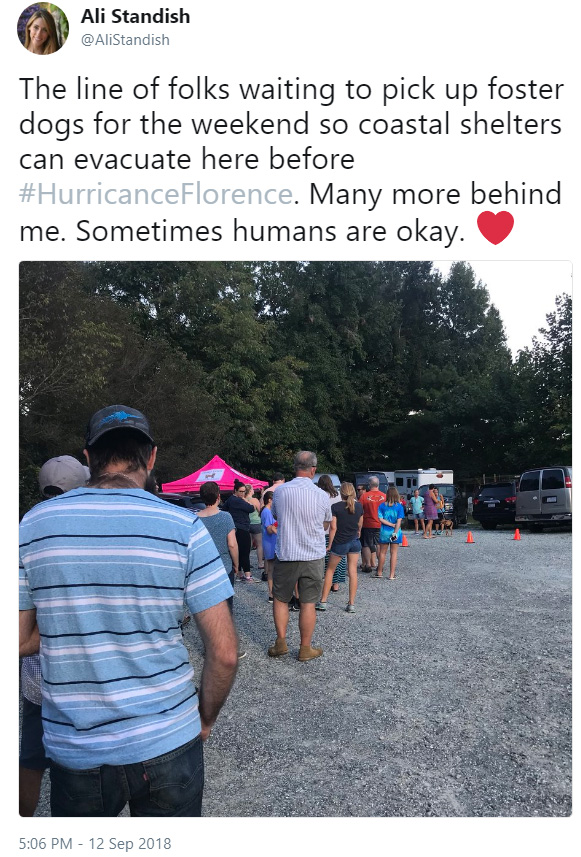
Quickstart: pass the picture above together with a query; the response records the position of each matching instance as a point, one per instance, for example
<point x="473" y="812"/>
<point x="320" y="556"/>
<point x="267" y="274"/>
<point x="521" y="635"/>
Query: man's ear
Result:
<point x="86" y="454"/>
<point x="152" y="457"/>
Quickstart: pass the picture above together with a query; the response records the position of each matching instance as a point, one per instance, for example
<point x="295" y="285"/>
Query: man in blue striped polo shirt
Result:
<point x="103" y="573"/>
<point x="303" y="512"/>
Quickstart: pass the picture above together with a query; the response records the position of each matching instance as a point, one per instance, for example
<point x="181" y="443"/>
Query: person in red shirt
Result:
<point x="370" y="500"/>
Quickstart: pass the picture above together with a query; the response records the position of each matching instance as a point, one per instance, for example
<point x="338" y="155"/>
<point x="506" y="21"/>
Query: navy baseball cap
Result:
<point x="116" y="417"/>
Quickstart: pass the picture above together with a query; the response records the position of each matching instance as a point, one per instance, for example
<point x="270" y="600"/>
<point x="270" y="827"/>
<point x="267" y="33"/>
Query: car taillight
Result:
<point x="568" y="483"/>
<point x="510" y="499"/>
<point x="476" y="501"/>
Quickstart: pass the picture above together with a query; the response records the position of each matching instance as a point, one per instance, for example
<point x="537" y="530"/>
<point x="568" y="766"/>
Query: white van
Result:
<point x="544" y="497"/>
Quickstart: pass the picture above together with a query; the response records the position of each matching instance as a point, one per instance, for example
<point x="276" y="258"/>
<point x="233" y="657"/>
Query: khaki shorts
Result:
<point x="308" y="574"/>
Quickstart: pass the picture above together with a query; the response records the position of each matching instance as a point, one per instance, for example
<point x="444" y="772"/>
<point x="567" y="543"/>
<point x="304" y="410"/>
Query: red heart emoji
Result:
<point x="495" y="227"/>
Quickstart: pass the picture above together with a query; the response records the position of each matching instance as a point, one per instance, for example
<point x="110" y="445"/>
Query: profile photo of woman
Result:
<point x="43" y="28"/>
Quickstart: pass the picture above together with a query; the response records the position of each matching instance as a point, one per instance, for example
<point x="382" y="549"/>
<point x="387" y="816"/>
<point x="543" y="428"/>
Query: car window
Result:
<point x="530" y="481"/>
<point x="553" y="479"/>
<point x="498" y="492"/>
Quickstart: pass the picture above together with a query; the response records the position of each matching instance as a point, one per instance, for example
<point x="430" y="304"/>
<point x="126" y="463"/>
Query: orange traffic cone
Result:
<point x="404" y="541"/>
<point x="516" y="537"/>
<point x="470" y="539"/>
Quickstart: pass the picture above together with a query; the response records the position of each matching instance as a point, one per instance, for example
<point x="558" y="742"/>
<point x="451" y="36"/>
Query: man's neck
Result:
<point x="119" y="479"/>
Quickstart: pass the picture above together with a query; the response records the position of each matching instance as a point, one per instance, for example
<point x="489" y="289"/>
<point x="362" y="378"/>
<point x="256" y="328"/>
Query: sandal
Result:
<point x="376" y="575"/>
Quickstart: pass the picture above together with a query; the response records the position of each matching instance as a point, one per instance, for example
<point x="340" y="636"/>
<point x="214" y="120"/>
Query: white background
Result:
<point x="319" y="42"/>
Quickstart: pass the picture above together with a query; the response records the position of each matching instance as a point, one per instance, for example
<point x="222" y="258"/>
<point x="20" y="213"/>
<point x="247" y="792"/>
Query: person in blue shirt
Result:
<point x="103" y="574"/>
<point x="390" y="515"/>
<point x="418" y="511"/>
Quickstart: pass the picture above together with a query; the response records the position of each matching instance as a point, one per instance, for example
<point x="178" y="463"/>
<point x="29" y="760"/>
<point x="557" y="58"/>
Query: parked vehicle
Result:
<point x="334" y="479"/>
<point x="455" y="505"/>
<point x="386" y="478"/>
<point x="544" y="497"/>
<point x="495" y="504"/>
<point x="182" y="500"/>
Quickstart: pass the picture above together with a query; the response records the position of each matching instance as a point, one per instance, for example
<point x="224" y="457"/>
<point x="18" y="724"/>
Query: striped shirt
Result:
<point x="107" y="571"/>
<point x="301" y="509"/>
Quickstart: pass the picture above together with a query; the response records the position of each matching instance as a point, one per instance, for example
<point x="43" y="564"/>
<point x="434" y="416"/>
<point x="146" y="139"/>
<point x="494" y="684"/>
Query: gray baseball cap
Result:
<point x="63" y="472"/>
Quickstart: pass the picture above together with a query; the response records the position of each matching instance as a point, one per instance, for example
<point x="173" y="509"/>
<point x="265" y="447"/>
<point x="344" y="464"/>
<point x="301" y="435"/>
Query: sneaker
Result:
<point x="309" y="653"/>
<point x="366" y="569"/>
<point x="350" y="608"/>
<point x="264" y="577"/>
<point x="278" y="649"/>
<point x="270" y="599"/>
<point x="321" y="605"/>
<point x="295" y="604"/>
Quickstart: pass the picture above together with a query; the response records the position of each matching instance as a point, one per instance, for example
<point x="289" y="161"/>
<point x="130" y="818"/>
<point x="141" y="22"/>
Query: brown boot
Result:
<point x="279" y="648"/>
<point x="307" y="653"/>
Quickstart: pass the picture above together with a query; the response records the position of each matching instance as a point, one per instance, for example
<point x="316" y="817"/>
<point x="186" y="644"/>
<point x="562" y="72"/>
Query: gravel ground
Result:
<point x="448" y="692"/>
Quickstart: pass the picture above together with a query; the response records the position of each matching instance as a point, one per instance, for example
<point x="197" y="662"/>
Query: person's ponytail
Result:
<point x="348" y="495"/>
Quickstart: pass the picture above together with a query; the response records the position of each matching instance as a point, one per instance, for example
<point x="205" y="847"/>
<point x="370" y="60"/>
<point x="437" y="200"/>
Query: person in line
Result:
<point x="440" y="508"/>
<point x="41" y="35"/>
<point x="390" y="516"/>
<point x="103" y="571"/>
<point x="221" y="527"/>
<point x="418" y="511"/>
<point x="344" y="534"/>
<point x="269" y="529"/>
<point x="370" y="501"/>
<point x="240" y="511"/>
<point x="277" y="481"/>
<point x="56" y="477"/>
<point x="303" y="513"/>
<point x="255" y="526"/>
<point x="430" y="510"/>
<point x="340" y="575"/>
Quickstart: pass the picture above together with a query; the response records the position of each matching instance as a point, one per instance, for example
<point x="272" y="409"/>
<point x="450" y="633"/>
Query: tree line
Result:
<point x="372" y="364"/>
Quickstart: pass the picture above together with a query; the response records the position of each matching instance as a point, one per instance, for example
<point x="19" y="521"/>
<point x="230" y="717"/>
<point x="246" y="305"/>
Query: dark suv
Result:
<point x="455" y="505"/>
<point x="495" y="504"/>
<point x="182" y="500"/>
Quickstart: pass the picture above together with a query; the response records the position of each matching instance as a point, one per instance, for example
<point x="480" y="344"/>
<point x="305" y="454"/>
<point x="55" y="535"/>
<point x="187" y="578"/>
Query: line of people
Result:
<point x="106" y="568"/>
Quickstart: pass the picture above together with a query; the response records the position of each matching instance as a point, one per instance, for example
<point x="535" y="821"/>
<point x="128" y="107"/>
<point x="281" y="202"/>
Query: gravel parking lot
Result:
<point x="448" y="692"/>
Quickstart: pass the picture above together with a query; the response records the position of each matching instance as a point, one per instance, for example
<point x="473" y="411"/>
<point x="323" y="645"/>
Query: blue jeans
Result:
<point x="169" y="785"/>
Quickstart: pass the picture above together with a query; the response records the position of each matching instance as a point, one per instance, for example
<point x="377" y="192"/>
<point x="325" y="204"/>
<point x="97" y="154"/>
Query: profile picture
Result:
<point x="43" y="28"/>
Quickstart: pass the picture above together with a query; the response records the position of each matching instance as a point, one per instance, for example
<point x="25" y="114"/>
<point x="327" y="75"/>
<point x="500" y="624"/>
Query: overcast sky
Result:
<point x="523" y="293"/>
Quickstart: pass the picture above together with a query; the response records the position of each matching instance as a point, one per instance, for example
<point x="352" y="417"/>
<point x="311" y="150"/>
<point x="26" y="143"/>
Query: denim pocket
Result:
<point x="176" y="778"/>
<point x="75" y="793"/>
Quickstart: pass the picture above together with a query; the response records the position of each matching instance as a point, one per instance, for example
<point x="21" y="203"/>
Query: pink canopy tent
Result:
<point x="215" y="470"/>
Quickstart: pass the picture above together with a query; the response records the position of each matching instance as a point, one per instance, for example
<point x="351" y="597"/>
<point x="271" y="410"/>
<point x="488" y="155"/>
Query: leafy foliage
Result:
<point x="372" y="364"/>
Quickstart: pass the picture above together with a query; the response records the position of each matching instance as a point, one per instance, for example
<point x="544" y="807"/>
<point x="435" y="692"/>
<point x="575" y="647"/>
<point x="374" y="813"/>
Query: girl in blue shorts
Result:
<point x="390" y="516"/>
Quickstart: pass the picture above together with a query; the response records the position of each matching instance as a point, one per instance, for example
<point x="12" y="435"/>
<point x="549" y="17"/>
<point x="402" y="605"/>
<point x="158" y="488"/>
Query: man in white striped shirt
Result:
<point x="303" y="513"/>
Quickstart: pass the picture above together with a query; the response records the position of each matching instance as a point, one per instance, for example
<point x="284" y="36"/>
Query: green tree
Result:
<point x="543" y="422"/>
<point x="79" y="353"/>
